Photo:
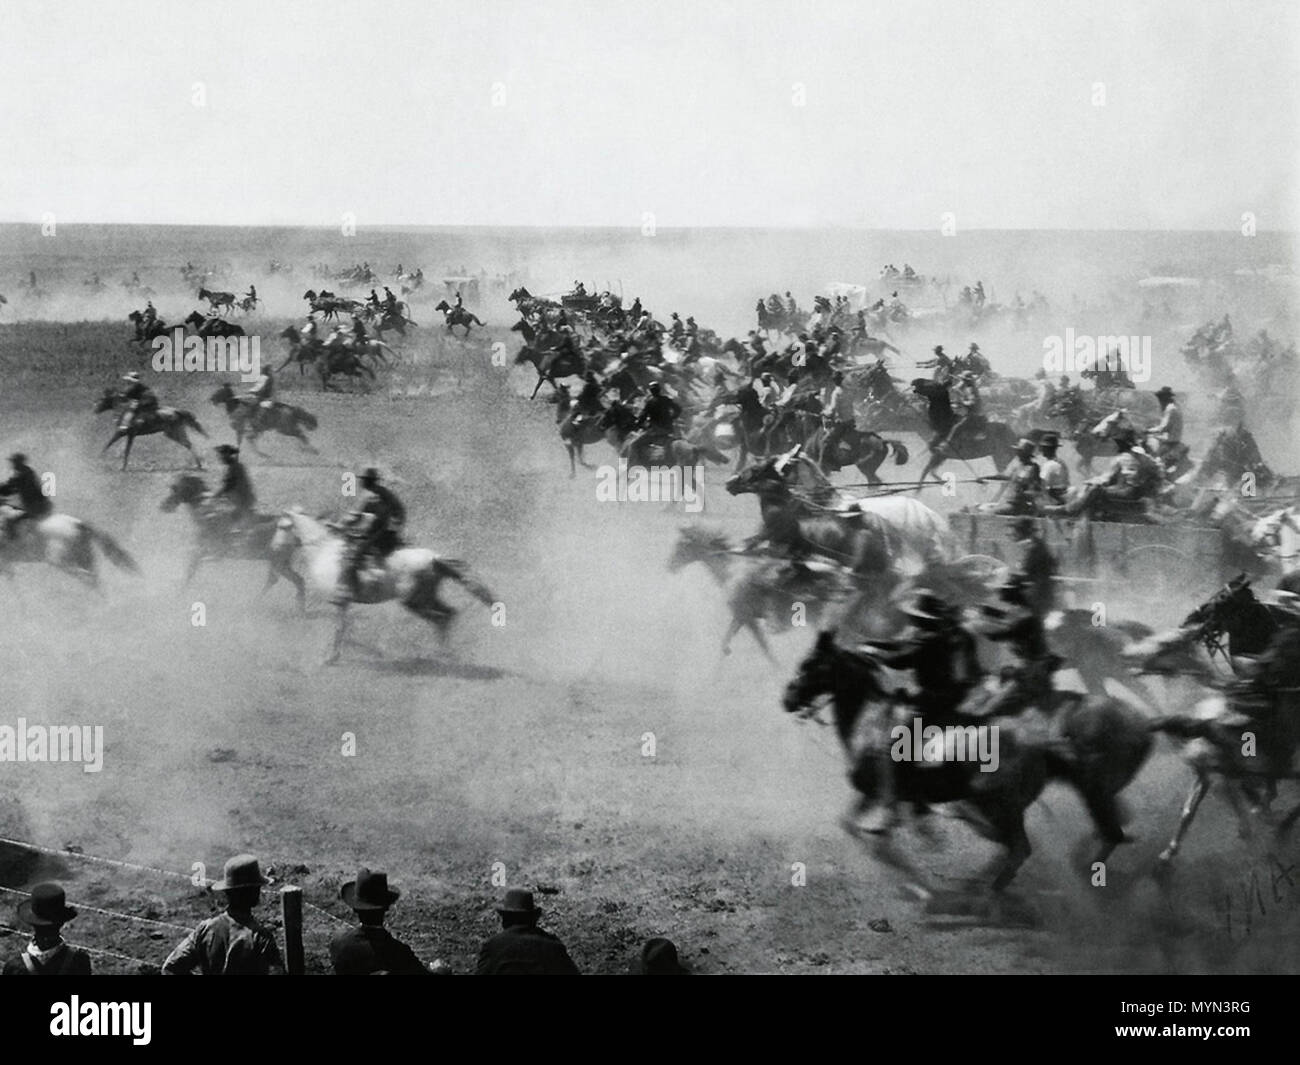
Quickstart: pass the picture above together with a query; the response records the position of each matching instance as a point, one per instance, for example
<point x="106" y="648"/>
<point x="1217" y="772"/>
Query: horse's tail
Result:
<point x="460" y="572"/>
<point x="305" y="417"/>
<point x="113" y="551"/>
<point x="188" y="419"/>
<point x="901" y="454"/>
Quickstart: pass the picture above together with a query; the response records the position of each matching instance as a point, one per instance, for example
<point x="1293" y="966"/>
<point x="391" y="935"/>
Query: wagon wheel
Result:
<point x="989" y="571"/>
<point x="1160" y="569"/>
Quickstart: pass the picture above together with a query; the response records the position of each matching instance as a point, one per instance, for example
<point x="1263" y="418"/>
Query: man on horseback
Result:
<point x="970" y="405"/>
<point x="258" y="398"/>
<point x="149" y="316"/>
<point x="141" y="402"/>
<point x="976" y="362"/>
<point x="359" y="336"/>
<point x="1133" y="476"/>
<point x="374" y="529"/>
<point x="25" y="487"/>
<point x="1016" y="623"/>
<point x="588" y="403"/>
<point x="1168" y="432"/>
<point x="942" y="657"/>
<point x="236" y="493"/>
<point x="657" y="420"/>
<point x="839" y="420"/>
<point x="1055" y="476"/>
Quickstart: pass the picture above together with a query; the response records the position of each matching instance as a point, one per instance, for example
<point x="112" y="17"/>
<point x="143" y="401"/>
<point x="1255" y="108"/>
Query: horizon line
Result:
<point x="828" y="227"/>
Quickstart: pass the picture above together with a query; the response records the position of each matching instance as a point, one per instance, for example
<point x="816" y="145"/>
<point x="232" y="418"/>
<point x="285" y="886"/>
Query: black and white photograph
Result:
<point x="577" y="487"/>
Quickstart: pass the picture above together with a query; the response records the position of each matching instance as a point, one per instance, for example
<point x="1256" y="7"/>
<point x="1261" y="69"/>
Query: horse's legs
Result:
<point x="126" y="454"/>
<point x="340" y="631"/>
<point x="1011" y="825"/>
<point x="870" y="463"/>
<point x="1190" y="806"/>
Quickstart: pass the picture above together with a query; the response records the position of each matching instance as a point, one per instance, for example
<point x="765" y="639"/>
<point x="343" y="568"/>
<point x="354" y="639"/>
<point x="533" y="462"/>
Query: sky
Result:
<point x="1088" y="114"/>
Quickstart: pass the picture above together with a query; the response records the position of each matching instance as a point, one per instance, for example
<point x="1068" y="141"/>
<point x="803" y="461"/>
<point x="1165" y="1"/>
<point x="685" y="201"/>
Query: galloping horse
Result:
<point x="411" y="575"/>
<point x="169" y="421"/>
<point x="64" y="542"/>
<point x="213" y="327"/>
<point x="218" y="302"/>
<point x="216" y="540"/>
<point x="253" y="419"/>
<point x="994" y="440"/>
<point x="455" y="316"/>
<point x="1096" y="745"/>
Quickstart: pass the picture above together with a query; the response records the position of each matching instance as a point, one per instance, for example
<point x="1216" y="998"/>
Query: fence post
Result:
<point x="291" y="907"/>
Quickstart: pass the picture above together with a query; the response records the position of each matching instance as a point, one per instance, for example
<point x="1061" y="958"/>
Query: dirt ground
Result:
<point x="519" y="755"/>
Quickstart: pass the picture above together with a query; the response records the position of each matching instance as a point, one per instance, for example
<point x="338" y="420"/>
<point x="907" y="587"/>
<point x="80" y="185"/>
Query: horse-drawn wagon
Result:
<point x="1174" y="564"/>
<point x="466" y="287"/>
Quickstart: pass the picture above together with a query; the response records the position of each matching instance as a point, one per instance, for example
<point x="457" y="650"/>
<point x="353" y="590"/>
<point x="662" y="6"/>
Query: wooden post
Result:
<point x="291" y="907"/>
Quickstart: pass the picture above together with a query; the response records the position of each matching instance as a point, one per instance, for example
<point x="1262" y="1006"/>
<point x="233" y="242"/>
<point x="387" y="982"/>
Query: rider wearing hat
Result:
<point x="942" y="657"/>
<point x="1016" y="623"/>
<point x="45" y="911"/>
<point x="236" y="487"/>
<point x="1168" y="432"/>
<point x="839" y="418"/>
<point x="969" y="403"/>
<point x="376" y="527"/>
<point x="588" y="402"/>
<point x="658" y="418"/>
<point x="1055" y="477"/>
<point x="25" y="487"/>
<point x="140" y="400"/>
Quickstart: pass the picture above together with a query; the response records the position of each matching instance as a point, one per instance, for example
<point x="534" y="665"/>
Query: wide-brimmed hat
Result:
<point x="226" y="449"/>
<point x="1164" y="392"/>
<point x="17" y="457"/>
<point x="1049" y="440"/>
<point x="47" y="907"/>
<point x="938" y="349"/>
<point x="369" y="474"/>
<point x="519" y="902"/>
<point x="659" y="958"/>
<point x="369" y="891"/>
<point x="242" y="871"/>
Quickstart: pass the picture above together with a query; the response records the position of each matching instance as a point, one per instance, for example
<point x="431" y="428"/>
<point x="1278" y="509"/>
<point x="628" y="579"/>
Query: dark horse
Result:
<point x="1094" y="744"/>
<point x="247" y="417"/>
<point x="993" y="440"/>
<point x="551" y="364"/>
<point x="256" y="541"/>
<point x="1236" y="625"/>
<point x="169" y="421"/>
<point x="455" y="316"/>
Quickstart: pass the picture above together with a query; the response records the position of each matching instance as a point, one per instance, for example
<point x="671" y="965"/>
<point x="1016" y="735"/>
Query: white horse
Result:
<point x="411" y="575"/>
<point x="66" y="543"/>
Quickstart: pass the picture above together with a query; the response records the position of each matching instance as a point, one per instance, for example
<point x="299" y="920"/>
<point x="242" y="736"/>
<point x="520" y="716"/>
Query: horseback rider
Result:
<point x="251" y="295"/>
<point x="1025" y="482"/>
<point x="976" y="361"/>
<point x="1041" y="405"/>
<point x="1017" y="624"/>
<point x="839" y="420"/>
<point x="31" y="502"/>
<point x="969" y="403"/>
<point x="140" y="400"/>
<point x="941" y="654"/>
<point x="588" y="403"/>
<point x="359" y="336"/>
<point x="1055" y="475"/>
<point x="941" y="364"/>
<point x="259" y="397"/>
<point x="236" y="491"/>
<point x="374" y="528"/>
<point x="1168" y="432"/>
<point x="150" y="315"/>
<point x="658" y="418"/>
<point x="390" y="301"/>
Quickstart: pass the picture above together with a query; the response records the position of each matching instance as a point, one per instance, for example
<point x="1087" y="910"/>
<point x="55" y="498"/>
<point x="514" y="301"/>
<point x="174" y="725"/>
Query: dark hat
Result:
<point x="369" y="474"/>
<point x="518" y="901"/>
<point x="659" y="958"/>
<point x="17" y="457"/>
<point x="1049" y="440"/>
<point x="226" y="449"/>
<point x="938" y="349"/>
<point x="1165" y="392"/>
<point x="47" y="907"/>
<point x="974" y="346"/>
<point x="654" y="387"/>
<point x="240" y="872"/>
<point x="1023" y="528"/>
<point x="369" y="891"/>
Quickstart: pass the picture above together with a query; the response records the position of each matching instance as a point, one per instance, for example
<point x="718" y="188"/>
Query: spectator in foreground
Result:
<point x="233" y="943"/>
<point x="370" y="949"/>
<point x="521" y="948"/>
<point x="659" y="958"/>
<point x="46" y="911"/>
